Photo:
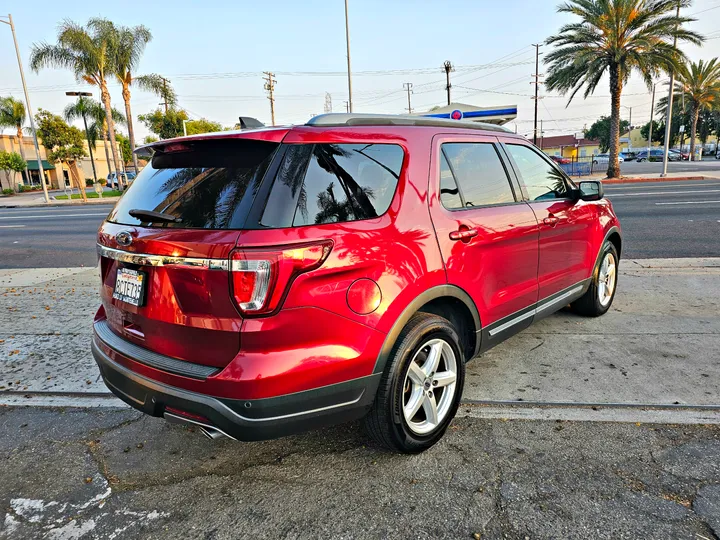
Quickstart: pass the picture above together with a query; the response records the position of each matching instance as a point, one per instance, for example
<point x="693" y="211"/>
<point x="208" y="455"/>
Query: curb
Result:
<point x="56" y="204"/>
<point x="639" y="179"/>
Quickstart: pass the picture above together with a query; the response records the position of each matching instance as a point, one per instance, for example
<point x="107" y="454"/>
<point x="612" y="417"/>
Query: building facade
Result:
<point x="57" y="176"/>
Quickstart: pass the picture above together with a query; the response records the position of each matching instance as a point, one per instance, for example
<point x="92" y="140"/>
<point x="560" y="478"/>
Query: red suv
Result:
<point x="263" y="282"/>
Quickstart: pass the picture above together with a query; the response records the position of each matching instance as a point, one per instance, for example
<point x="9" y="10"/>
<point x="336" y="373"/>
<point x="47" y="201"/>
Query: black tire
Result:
<point x="385" y="422"/>
<point x="589" y="304"/>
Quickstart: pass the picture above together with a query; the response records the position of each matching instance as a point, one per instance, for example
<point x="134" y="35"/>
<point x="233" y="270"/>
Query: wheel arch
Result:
<point x="448" y="301"/>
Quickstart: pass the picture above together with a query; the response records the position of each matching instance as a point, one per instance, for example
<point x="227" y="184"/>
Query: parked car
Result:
<point x="260" y="283"/>
<point x="656" y="154"/>
<point x="602" y="159"/>
<point x="561" y="160"/>
<point x="679" y="155"/>
<point x="628" y="156"/>
<point x="126" y="178"/>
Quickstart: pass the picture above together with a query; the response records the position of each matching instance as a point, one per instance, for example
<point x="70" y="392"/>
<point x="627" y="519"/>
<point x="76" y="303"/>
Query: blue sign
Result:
<point x="456" y="115"/>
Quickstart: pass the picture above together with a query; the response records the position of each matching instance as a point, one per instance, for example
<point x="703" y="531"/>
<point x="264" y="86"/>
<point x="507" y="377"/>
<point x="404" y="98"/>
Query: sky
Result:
<point x="214" y="53"/>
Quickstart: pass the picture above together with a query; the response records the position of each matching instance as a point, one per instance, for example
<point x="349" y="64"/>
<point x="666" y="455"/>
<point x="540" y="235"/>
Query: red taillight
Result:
<point x="261" y="277"/>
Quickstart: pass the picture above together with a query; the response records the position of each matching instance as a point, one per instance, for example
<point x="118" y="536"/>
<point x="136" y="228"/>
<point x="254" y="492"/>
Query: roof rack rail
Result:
<point x="363" y="119"/>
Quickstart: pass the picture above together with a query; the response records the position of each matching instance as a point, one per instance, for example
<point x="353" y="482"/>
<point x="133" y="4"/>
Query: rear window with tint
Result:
<point x="331" y="183"/>
<point x="211" y="185"/>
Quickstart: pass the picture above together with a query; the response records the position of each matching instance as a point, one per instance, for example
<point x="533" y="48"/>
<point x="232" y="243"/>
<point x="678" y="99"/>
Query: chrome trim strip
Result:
<point x="539" y="308"/>
<point x="556" y="301"/>
<point x="144" y="259"/>
<point x="512" y="322"/>
<point x="291" y="415"/>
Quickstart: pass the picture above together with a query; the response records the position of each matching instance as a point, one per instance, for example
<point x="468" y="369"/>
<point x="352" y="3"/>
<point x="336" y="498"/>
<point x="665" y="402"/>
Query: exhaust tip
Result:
<point x="211" y="433"/>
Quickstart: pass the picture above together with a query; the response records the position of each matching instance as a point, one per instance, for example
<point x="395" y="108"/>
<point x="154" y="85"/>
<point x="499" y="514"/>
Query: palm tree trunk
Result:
<point x="22" y="152"/>
<point x="693" y="129"/>
<point x="110" y="126"/>
<point x="131" y="130"/>
<point x="613" y="170"/>
<point x="79" y="182"/>
<point x="107" y="154"/>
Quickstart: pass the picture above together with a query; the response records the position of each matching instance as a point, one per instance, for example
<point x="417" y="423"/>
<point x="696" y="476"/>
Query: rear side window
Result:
<point x="331" y="183"/>
<point x="542" y="180"/>
<point x="475" y="176"/>
<point x="208" y="185"/>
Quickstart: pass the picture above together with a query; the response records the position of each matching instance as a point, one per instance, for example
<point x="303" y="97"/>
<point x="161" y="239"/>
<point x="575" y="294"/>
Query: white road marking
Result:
<point x="686" y="202"/>
<point x="665" y="185"/>
<point x="612" y="195"/>
<point x="51" y="216"/>
<point x="11" y="226"/>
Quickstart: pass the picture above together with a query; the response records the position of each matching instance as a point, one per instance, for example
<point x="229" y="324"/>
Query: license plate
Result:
<point x="130" y="286"/>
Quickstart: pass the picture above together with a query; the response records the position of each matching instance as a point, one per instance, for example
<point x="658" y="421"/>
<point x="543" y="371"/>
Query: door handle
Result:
<point x="464" y="234"/>
<point x="550" y="220"/>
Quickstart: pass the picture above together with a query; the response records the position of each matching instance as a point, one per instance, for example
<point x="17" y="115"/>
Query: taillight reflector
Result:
<point x="261" y="277"/>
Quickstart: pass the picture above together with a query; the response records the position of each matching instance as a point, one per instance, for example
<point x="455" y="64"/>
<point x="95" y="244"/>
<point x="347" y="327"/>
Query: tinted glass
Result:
<point x="328" y="183"/>
<point x="479" y="173"/>
<point x="449" y="193"/>
<point x="542" y="179"/>
<point x="210" y="186"/>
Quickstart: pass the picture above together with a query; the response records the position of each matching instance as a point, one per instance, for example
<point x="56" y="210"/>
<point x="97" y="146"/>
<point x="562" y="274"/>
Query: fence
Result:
<point x="580" y="166"/>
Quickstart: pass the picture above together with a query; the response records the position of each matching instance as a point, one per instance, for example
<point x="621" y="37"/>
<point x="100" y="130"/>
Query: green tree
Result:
<point x="13" y="115"/>
<point x="203" y="125"/>
<point x="12" y="163"/>
<point x="94" y="112"/>
<point x="129" y="47"/>
<point x="616" y="37"/>
<point x="658" y="131"/>
<point x="700" y="84"/>
<point x="125" y="149"/>
<point x="88" y="52"/>
<point x="165" y="125"/>
<point x="150" y="139"/>
<point x="600" y="131"/>
<point x="64" y="144"/>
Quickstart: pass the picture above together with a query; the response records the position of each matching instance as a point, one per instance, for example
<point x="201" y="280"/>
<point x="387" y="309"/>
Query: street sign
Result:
<point x="456" y="115"/>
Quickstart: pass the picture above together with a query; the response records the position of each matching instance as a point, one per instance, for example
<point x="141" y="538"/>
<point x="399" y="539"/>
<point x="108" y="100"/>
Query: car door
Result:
<point x="563" y="220"/>
<point x="488" y="237"/>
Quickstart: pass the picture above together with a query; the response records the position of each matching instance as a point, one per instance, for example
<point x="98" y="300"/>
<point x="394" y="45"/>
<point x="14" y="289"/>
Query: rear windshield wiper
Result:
<point x="153" y="216"/>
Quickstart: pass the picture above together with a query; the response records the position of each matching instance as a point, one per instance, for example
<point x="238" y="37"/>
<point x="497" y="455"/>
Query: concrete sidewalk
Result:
<point x="658" y="346"/>
<point x="27" y="201"/>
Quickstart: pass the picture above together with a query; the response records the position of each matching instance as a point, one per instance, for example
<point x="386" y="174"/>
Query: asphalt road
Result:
<point x="633" y="168"/>
<point x="668" y="219"/>
<point x="53" y="237"/>
<point x="663" y="219"/>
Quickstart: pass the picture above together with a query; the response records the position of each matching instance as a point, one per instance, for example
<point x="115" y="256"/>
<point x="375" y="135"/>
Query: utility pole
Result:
<point x="408" y="86"/>
<point x="542" y="134"/>
<point x="328" y="103"/>
<point x="347" y="44"/>
<point x="537" y="85"/>
<point x="652" y="114"/>
<point x="270" y="87"/>
<point x="447" y="68"/>
<point x="668" y="119"/>
<point x="165" y="99"/>
<point x="9" y="22"/>
<point x="347" y="106"/>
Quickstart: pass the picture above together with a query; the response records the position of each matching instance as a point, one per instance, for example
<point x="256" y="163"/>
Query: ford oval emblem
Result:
<point x="123" y="238"/>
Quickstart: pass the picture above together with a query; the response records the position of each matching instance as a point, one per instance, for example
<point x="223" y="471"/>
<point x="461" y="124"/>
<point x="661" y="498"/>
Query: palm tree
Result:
<point x="700" y="82"/>
<point x="88" y="52"/>
<point x="616" y="37"/>
<point x="130" y="44"/>
<point x="94" y="112"/>
<point x="12" y="115"/>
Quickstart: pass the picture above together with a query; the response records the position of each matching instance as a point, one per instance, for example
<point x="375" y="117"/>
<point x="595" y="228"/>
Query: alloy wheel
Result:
<point x="607" y="278"/>
<point x="429" y="386"/>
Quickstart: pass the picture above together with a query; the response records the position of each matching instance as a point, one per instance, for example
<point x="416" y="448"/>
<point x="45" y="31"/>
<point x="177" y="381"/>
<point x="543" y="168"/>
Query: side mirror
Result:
<point x="591" y="190"/>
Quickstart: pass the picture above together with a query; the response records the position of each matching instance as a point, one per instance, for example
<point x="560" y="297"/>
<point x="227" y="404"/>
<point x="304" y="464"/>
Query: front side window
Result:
<point x="477" y="172"/>
<point x="542" y="180"/>
<point x="332" y="183"/>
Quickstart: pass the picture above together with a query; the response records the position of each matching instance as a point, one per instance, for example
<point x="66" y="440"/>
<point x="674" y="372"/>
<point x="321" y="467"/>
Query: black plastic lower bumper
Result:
<point x="245" y="420"/>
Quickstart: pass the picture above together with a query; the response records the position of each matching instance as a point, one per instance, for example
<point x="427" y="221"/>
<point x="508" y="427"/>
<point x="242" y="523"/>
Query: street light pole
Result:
<point x="29" y="109"/>
<point x="347" y="43"/>
<point x="80" y="96"/>
<point x="668" y="118"/>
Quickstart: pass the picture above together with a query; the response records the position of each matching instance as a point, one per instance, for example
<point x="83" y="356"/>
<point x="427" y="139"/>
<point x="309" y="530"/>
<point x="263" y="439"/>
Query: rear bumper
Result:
<point x="245" y="420"/>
